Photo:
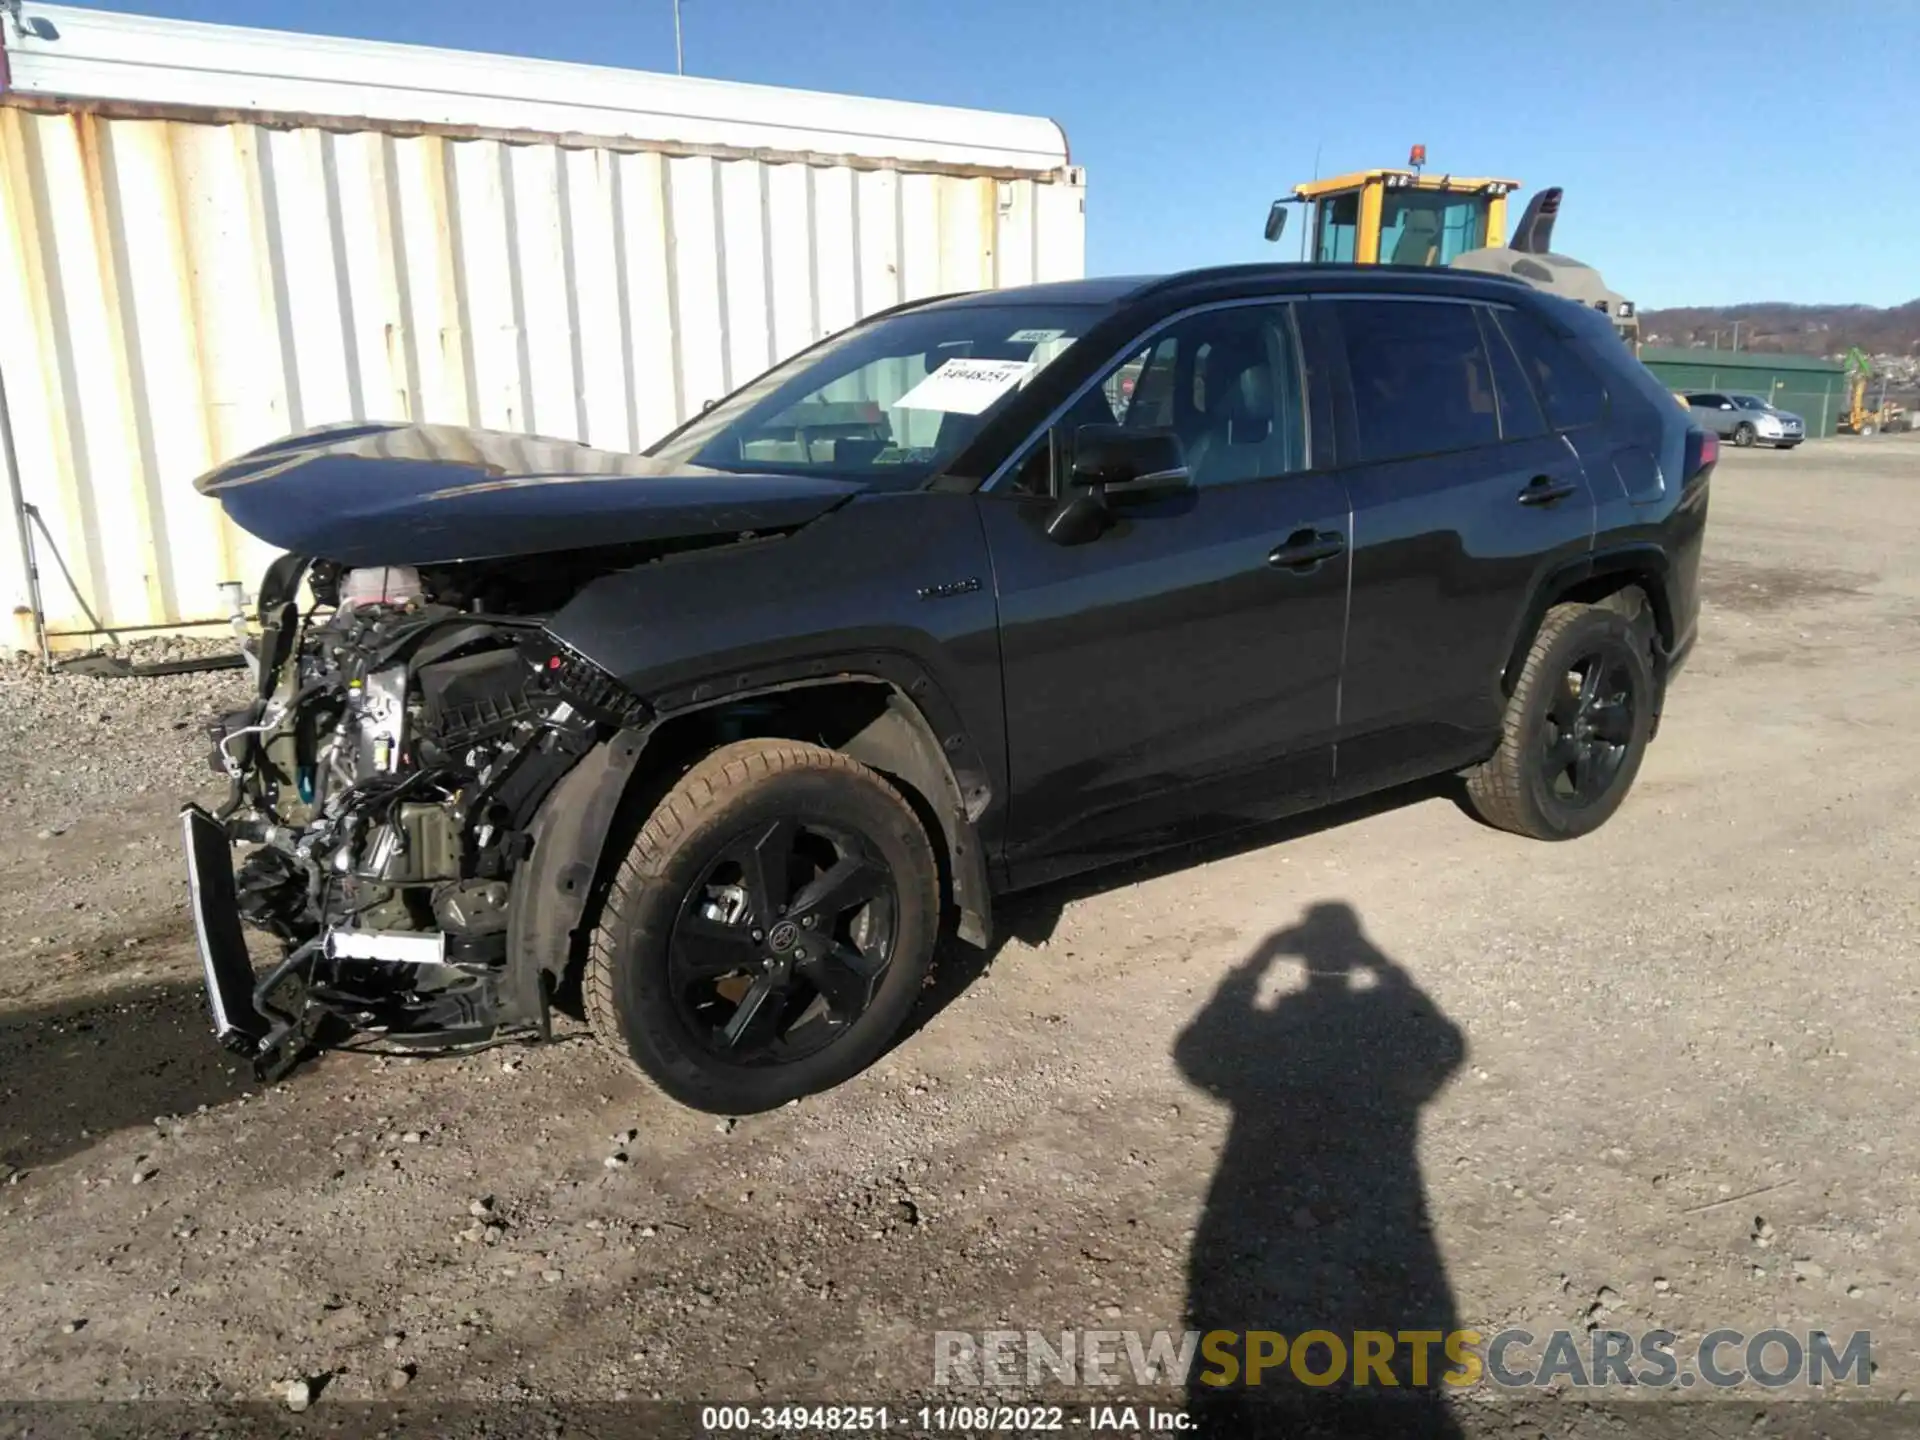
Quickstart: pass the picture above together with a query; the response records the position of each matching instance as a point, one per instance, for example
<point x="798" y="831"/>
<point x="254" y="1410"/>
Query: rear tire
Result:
<point x="729" y="965"/>
<point x="1575" y="730"/>
<point x="1743" y="434"/>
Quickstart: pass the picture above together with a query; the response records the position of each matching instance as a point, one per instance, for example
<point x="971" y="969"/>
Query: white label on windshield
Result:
<point x="965" y="387"/>
<point x="1034" y="337"/>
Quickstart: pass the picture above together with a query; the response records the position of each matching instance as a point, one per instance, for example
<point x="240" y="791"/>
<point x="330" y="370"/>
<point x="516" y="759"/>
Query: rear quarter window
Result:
<point x="1570" y="392"/>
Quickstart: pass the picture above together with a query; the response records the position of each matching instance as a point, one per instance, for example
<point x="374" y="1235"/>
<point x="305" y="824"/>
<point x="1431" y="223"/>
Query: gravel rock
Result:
<point x="399" y="1377"/>
<point x="299" y="1395"/>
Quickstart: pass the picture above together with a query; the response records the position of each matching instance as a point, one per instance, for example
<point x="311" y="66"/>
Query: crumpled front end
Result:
<point x="383" y="781"/>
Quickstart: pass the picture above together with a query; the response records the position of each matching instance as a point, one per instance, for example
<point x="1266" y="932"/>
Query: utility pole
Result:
<point x="679" y="49"/>
<point x="1736" y="333"/>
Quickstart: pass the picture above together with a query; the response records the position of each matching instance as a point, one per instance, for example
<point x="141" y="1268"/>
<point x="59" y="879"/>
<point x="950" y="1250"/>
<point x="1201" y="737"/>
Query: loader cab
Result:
<point x="1403" y="217"/>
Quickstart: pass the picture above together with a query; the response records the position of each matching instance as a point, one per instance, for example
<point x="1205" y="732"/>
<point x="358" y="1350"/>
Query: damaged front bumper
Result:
<point x="271" y="1020"/>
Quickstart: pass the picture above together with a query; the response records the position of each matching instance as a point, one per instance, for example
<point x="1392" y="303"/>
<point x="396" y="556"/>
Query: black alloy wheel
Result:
<point x="1576" y="725"/>
<point x="769" y="930"/>
<point x="1589" y="727"/>
<point x="778" y="947"/>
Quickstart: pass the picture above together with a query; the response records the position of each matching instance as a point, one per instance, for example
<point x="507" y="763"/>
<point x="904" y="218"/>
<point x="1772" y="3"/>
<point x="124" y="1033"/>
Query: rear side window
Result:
<point x="1421" y="381"/>
<point x="1572" y="394"/>
<point x="1520" y="417"/>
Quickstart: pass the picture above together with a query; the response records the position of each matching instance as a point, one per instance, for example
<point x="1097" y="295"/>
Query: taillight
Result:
<point x="1703" y="449"/>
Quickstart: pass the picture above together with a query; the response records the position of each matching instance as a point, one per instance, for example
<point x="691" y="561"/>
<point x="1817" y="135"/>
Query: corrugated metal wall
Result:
<point x="174" y="292"/>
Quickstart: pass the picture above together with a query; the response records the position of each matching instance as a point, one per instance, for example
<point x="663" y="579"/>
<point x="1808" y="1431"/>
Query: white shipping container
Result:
<point x="214" y="236"/>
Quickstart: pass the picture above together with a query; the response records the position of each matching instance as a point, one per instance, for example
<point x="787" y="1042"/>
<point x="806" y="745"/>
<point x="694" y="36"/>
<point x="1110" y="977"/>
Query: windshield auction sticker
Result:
<point x="965" y="387"/>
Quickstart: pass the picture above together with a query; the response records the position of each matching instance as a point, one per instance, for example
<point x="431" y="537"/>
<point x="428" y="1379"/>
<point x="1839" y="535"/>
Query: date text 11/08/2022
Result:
<point x="945" y="1419"/>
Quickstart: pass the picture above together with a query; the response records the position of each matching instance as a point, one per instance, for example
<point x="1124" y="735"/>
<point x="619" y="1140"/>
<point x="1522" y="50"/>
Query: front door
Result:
<point x="1179" y="673"/>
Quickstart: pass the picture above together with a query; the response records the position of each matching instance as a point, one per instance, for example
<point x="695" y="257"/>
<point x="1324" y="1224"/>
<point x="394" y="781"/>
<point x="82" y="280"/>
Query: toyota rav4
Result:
<point x="983" y="591"/>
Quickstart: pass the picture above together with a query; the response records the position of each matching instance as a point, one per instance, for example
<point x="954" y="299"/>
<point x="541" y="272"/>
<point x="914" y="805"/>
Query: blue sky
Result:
<point x="1712" y="152"/>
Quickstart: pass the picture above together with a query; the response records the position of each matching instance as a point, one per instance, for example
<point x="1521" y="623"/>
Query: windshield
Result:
<point x="890" y="401"/>
<point x="1427" y="227"/>
<point x="1749" y="402"/>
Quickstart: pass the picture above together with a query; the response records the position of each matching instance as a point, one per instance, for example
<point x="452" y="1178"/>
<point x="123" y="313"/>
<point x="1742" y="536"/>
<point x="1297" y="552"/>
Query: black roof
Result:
<point x="1096" y="290"/>
<point x="1114" y="289"/>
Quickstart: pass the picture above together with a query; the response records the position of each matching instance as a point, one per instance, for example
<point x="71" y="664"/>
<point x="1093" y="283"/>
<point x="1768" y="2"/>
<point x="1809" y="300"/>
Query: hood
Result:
<point x="431" y="494"/>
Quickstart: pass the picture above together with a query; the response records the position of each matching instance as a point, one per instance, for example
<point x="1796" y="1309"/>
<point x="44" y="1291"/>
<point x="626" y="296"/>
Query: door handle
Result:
<point x="1545" y="490"/>
<point x="1304" y="549"/>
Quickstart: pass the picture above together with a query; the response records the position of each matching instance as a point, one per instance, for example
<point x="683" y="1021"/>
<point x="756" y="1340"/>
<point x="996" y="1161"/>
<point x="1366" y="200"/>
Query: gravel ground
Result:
<point x="1662" y="1076"/>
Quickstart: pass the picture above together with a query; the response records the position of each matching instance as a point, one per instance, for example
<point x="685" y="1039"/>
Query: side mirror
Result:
<point x="1128" y="463"/>
<point x="1111" y="466"/>
<point x="1726" y="405"/>
<point x="1276" y="219"/>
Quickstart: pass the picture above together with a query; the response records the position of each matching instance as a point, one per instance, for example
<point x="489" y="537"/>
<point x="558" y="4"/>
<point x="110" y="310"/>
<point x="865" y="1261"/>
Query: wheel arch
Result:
<point x="1629" y="578"/>
<point x="874" y="718"/>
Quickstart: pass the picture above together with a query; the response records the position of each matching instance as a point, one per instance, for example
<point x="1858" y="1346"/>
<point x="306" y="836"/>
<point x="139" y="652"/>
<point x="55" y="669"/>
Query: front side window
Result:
<point x="892" y="401"/>
<point x="1421" y="381"/>
<point x="1749" y="402"/>
<point x="1337" y="223"/>
<point x="1227" y="382"/>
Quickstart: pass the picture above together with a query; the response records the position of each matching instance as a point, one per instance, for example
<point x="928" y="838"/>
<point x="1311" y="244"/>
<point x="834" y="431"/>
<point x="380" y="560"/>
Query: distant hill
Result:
<point x="1790" y="329"/>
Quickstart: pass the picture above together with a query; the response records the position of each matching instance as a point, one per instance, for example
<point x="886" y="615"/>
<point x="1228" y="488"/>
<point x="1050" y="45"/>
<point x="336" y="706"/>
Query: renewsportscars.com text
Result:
<point x="1511" y="1359"/>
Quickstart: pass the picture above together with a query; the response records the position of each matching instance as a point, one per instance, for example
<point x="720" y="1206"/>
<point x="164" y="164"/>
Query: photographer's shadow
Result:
<point x="1317" y="1217"/>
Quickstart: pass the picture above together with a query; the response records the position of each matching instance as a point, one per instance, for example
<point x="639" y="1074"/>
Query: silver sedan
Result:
<point x="1745" y="419"/>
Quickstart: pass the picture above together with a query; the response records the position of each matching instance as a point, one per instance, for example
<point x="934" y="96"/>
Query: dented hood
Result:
<point x="431" y="494"/>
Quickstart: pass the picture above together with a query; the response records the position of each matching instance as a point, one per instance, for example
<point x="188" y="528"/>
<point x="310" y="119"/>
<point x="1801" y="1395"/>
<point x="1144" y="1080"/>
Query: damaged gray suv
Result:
<point x="979" y="593"/>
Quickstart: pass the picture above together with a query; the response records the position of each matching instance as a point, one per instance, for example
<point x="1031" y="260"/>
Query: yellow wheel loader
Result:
<point x="1413" y="217"/>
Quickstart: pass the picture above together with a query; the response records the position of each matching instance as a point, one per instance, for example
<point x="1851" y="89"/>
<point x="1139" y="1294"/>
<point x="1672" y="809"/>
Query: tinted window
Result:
<point x="1421" y="383"/>
<point x="1520" y="417"/>
<point x="1572" y="394"/>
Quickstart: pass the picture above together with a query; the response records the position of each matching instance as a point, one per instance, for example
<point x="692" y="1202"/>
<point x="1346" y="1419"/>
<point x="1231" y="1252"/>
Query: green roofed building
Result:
<point x="1815" y="390"/>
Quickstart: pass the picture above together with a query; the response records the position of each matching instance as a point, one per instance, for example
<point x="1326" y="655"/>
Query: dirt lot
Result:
<point x="1666" y="1071"/>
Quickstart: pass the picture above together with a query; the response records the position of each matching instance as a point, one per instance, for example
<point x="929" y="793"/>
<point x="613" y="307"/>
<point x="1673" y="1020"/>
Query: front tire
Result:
<point x="768" y="932"/>
<point x="1575" y="730"/>
<point x="1743" y="434"/>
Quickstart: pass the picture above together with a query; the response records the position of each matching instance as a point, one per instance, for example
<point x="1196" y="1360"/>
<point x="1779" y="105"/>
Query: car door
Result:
<point x="1178" y="672"/>
<point x="1463" y="498"/>
<point x="1715" y="412"/>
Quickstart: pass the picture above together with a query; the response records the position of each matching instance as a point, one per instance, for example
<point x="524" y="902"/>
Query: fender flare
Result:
<point x="552" y="889"/>
<point x="1641" y="562"/>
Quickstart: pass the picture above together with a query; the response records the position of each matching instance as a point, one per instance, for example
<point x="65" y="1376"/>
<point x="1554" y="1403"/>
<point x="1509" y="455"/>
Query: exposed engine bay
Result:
<point x="406" y="726"/>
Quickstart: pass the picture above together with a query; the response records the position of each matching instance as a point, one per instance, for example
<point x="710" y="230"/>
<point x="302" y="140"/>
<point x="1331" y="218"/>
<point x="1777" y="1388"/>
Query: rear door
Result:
<point x="1463" y="499"/>
<point x="1177" y="674"/>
